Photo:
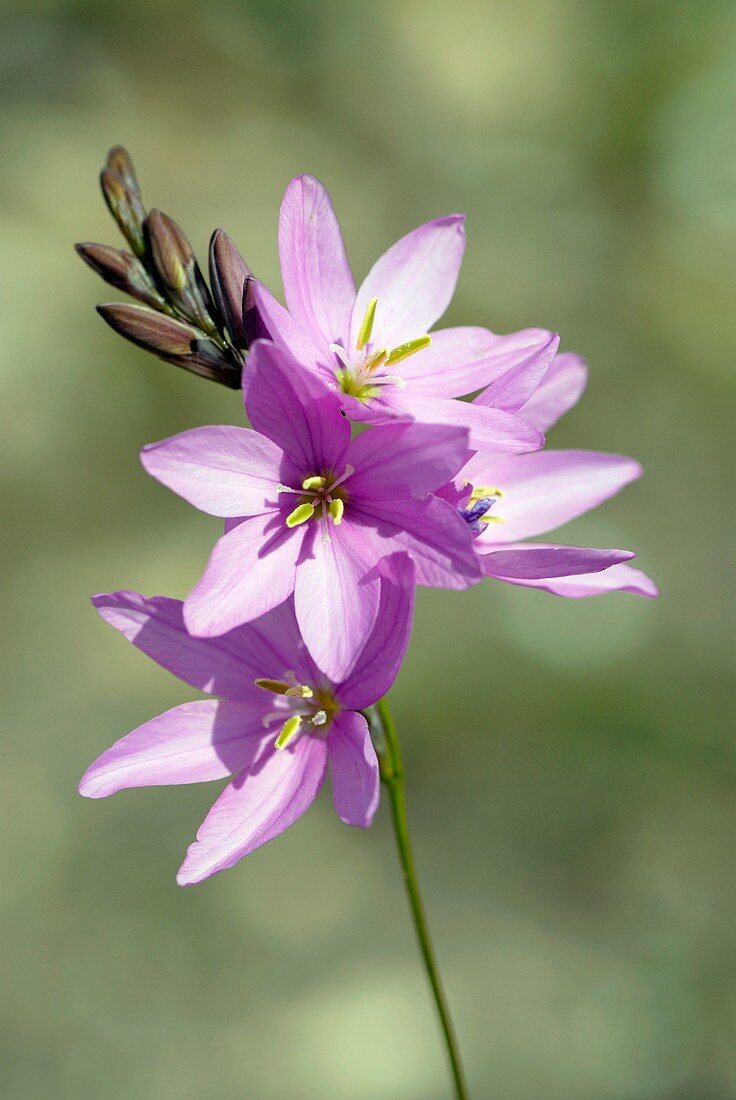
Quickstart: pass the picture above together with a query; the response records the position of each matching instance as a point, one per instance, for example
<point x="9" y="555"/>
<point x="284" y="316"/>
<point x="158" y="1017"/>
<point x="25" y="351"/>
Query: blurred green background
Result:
<point x="571" y="764"/>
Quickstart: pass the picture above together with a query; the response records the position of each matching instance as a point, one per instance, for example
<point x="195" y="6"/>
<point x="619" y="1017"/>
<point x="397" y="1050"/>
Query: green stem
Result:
<point x="392" y="774"/>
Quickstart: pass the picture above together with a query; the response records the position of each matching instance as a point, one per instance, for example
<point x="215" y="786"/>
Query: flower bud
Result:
<point x="118" y="161"/>
<point x="124" y="203"/>
<point x="178" y="271"/>
<point x="228" y="275"/>
<point x="123" y="271"/>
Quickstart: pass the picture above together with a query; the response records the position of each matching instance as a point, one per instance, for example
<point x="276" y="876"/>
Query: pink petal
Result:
<point x="558" y="391"/>
<point x="414" y="282"/>
<point x="490" y="429"/>
<point x="256" y="807"/>
<point x="195" y="742"/>
<point x="514" y="388"/>
<point x="223" y="470"/>
<point x="540" y="562"/>
<point x="356" y="782"/>
<point x="285" y="330"/>
<point x="318" y="283"/>
<point x="294" y="408"/>
<point x="545" y="490"/>
<point x="405" y="460"/>
<point x="619" y="578"/>
<point x="251" y="570"/>
<point x="461" y="360"/>
<point x="378" y="663"/>
<point x="335" y="602"/>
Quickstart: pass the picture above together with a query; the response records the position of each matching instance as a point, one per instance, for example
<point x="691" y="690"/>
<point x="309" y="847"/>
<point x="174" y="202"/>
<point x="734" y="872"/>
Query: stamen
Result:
<point x="341" y="354"/>
<point x="366" y="326"/>
<point x="492" y="519"/>
<point x="299" y="691"/>
<point x="402" y="351"/>
<point x="347" y="472"/>
<point x="276" y="687"/>
<point x="285" y="489"/>
<point x="289" y="730"/>
<point x="319" y="718"/>
<point x="336" y="510"/>
<point x="314" y="483"/>
<point x="301" y="514"/>
<point x="375" y="360"/>
<point x="486" y="491"/>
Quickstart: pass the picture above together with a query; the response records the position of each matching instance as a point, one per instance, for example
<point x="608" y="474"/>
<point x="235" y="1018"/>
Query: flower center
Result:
<point x="365" y="369"/>
<point x="478" y="504"/>
<point x="301" y="709"/>
<point x="322" y="495"/>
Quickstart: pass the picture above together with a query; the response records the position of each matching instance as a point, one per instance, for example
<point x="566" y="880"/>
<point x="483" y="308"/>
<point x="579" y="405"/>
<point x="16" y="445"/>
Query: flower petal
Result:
<point x="540" y="562"/>
<point x="256" y="807"/>
<point x="284" y="329"/>
<point x="414" y="282"/>
<point x="462" y="360"/>
<point x="199" y="741"/>
<point x="318" y="283"/>
<point x="405" y="460"/>
<point x="514" y="388"/>
<point x="356" y="781"/>
<point x="558" y="391"/>
<point x="545" y="490"/>
<point x="378" y="663"/>
<point x="294" y="408"/>
<point x="336" y="603"/>
<point x="490" y="429"/>
<point x="222" y="470"/>
<point x="619" y="578"/>
<point x="251" y="570"/>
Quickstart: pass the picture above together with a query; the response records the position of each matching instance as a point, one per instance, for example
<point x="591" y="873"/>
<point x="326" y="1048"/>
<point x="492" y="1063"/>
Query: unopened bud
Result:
<point x="126" y="208"/>
<point x="122" y="270"/>
<point x="178" y="271"/>
<point x="228" y="274"/>
<point x="118" y="161"/>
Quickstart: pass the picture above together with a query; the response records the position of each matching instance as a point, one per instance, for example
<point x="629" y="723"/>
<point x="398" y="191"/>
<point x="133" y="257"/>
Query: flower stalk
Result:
<point x="392" y="775"/>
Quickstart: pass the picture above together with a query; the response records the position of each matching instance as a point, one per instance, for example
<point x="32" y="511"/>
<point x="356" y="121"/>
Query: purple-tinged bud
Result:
<point x="173" y="341"/>
<point x="253" y="323"/>
<point x="228" y="275"/>
<point x="122" y="270"/>
<point x="126" y="208"/>
<point x="118" y="161"/>
<point x="178" y="271"/>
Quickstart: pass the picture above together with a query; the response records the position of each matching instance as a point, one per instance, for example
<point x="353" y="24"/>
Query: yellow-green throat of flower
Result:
<point x="364" y="370"/>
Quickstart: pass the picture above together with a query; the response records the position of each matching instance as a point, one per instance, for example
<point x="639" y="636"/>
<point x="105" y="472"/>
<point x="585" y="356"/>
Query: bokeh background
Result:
<point x="572" y="766"/>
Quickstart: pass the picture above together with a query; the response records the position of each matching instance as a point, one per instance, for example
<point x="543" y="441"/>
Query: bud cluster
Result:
<point x="180" y="319"/>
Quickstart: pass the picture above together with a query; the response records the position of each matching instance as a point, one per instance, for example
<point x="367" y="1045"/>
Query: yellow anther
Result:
<point x="480" y="491"/>
<point x="336" y="510"/>
<point x="300" y="691"/>
<point x="276" y="687"/>
<point x="301" y="514"/>
<point x="403" y="351"/>
<point x="289" y="730"/>
<point x="375" y="360"/>
<point x="314" y="482"/>
<point x="492" y="519"/>
<point x="366" y="325"/>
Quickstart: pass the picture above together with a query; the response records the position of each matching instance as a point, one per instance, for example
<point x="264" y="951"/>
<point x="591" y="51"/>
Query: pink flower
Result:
<point x="506" y="499"/>
<point x="373" y="346"/>
<point x="279" y="722"/>
<point x="311" y="511"/>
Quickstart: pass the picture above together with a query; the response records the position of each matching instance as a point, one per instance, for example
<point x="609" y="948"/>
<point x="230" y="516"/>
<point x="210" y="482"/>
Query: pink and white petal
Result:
<point x="513" y="389"/>
<point x="489" y="429"/>
<point x="251" y="570"/>
<point x="356" y="781"/>
<point x="257" y="807"/>
<point x="405" y="460"/>
<point x="462" y="360"/>
<point x="318" y="282"/>
<point x="287" y="331"/>
<point x="414" y="282"/>
<point x="192" y="743"/>
<point x="437" y="540"/>
<point x="222" y="470"/>
<point x="619" y="578"/>
<point x="295" y="408"/>
<point x="336" y="603"/>
<point x="544" y="490"/>
<point x="559" y="390"/>
<point x="378" y="662"/>
<point x="540" y="562"/>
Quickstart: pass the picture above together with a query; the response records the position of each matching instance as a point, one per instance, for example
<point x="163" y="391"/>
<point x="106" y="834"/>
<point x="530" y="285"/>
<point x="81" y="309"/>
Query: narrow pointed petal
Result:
<point x="513" y="389"/>
<point x="378" y="663"/>
<point x="414" y="282"/>
<point x="356" y="782"/>
<point x="540" y="562"/>
<point x="257" y="807"/>
<point x="222" y="470"/>
<point x="294" y="408"/>
<point x="286" y="331"/>
<point x="192" y="743"/>
<point x="405" y="460"/>
<point x="462" y="360"/>
<point x="318" y="283"/>
<point x="544" y="490"/>
<point x="251" y="570"/>
<point x="336" y="603"/>
<point x="559" y="390"/>
<point x="489" y="429"/>
<point x="619" y="578"/>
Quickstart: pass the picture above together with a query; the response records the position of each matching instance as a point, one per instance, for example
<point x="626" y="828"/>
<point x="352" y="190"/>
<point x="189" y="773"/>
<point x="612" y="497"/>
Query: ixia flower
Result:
<point x="505" y="499"/>
<point x="313" y="511"/>
<point x="279" y="723"/>
<point x="374" y="346"/>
